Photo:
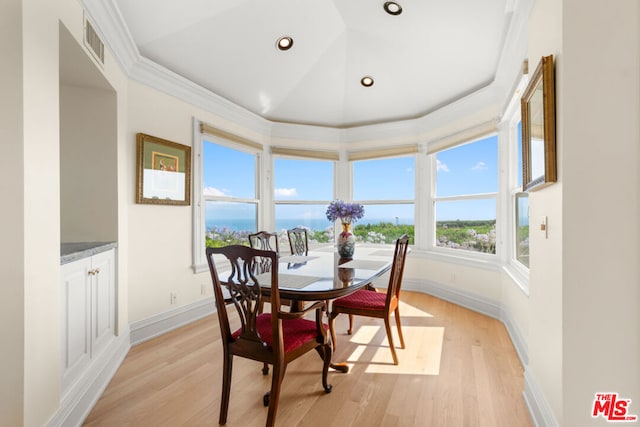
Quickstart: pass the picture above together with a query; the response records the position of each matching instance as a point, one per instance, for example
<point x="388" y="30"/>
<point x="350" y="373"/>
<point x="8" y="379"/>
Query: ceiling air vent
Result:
<point x="93" y="42"/>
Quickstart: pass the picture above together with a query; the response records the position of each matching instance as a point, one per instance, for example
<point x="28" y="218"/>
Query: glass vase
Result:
<point x="346" y="241"/>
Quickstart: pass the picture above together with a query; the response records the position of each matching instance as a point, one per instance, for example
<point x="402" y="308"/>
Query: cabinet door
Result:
<point x="103" y="288"/>
<point x="76" y="318"/>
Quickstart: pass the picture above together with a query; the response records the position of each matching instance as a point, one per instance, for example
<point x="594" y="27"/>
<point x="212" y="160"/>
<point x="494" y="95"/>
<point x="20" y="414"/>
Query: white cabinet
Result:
<point x="88" y="312"/>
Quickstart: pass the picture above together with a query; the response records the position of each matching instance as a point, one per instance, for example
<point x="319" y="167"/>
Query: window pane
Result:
<point x="228" y="172"/>
<point x="522" y="228"/>
<point x="384" y="179"/>
<point x="385" y="223"/>
<point x="229" y="223"/>
<point x="311" y="217"/>
<point x="467" y="225"/>
<point x="302" y="179"/>
<point x="468" y="169"/>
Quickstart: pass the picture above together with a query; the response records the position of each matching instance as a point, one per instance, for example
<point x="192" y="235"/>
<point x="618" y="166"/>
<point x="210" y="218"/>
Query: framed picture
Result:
<point x="539" y="128"/>
<point x="163" y="171"/>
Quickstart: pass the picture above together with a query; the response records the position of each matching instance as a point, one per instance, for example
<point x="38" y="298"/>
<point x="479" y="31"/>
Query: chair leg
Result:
<point x="265" y="368"/>
<point x="226" y="387"/>
<point x="325" y="353"/>
<point x="387" y="324"/>
<point x="332" y="330"/>
<point x="350" y="331"/>
<point x="397" y="316"/>
<point x="274" y="394"/>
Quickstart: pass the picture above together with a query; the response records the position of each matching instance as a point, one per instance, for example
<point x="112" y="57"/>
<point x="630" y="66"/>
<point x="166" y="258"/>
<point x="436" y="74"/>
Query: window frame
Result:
<point x="518" y="272"/>
<point x="199" y="199"/>
<point x="302" y="156"/>
<point x="434" y="198"/>
<point x="406" y="152"/>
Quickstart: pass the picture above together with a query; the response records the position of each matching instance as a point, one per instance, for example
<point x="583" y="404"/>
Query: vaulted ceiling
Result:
<point x="434" y="53"/>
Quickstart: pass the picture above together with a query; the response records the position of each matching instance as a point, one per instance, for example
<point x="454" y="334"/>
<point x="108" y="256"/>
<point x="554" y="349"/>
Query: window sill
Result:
<point x="469" y="259"/>
<point x="200" y="268"/>
<point x="520" y="276"/>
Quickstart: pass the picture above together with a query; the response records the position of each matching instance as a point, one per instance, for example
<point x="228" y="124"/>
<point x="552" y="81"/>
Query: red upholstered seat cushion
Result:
<point x="295" y="332"/>
<point x="362" y="299"/>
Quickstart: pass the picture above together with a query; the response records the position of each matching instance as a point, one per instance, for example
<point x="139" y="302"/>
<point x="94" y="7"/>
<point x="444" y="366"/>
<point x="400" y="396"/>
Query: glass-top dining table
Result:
<point x="323" y="275"/>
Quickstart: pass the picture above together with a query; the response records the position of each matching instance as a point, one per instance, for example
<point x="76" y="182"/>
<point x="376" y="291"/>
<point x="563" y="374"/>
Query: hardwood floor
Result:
<point x="459" y="369"/>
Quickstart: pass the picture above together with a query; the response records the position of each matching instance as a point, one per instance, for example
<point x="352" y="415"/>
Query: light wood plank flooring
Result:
<point x="459" y="369"/>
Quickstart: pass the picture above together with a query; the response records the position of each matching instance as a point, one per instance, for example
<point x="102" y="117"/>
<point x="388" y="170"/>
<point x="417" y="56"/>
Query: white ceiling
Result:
<point x="434" y="53"/>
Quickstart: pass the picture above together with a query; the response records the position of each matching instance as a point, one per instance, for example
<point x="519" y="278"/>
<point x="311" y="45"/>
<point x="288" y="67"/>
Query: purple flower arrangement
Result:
<point x="346" y="212"/>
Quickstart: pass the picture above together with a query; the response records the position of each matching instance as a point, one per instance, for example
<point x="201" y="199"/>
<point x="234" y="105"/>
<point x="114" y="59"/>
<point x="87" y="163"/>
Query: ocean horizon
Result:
<point x="242" y="224"/>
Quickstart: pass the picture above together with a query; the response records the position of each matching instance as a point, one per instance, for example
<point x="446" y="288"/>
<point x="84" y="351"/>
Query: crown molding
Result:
<point x="490" y="95"/>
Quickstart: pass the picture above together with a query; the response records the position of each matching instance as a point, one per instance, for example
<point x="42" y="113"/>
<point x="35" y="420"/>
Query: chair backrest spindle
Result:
<point x="298" y="241"/>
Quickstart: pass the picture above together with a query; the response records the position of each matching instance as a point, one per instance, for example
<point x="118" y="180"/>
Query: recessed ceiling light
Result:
<point x="392" y="8"/>
<point x="366" y="81"/>
<point x="284" y="43"/>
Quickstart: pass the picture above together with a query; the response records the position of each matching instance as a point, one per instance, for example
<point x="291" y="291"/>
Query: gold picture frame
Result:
<point x="539" y="128"/>
<point x="163" y="171"/>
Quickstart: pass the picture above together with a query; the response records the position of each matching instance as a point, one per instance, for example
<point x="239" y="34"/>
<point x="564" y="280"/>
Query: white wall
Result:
<point x="545" y="333"/>
<point x="600" y="111"/>
<point x="583" y="334"/>
<point x="11" y="216"/>
<point x="160" y="236"/>
<point x="88" y="164"/>
<point x="30" y="176"/>
<point x="41" y="211"/>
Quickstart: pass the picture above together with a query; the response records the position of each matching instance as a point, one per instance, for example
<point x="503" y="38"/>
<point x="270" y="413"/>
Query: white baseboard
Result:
<point x="478" y="304"/>
<point x="459" y="297"/>
<point x="77" y="402"/>
<point x="154" y="326"/>
<point x="539" y="409"/>
<point x="519" y="343"/>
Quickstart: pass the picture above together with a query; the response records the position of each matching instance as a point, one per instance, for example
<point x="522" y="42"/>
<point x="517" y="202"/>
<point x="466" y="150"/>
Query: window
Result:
<point x="466" y="192"/>
<point x="522" y="229"/>
<point x="386" y="188"/>
<point x="302" y="190"/>
<point x="230" y="198"/>
<point x="521" y="233"/>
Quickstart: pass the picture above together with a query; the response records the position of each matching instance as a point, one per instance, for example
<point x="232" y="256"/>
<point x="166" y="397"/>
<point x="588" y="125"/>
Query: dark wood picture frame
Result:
<point x="539" y="128"/>
<point x="163" y="171"/>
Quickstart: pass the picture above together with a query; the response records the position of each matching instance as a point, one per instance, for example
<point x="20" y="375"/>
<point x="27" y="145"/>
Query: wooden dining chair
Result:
<point x="265" y="241"/>
<point x="276" y="338"/>
<point x="298" y="241"/>
<point x="371" y="303"/>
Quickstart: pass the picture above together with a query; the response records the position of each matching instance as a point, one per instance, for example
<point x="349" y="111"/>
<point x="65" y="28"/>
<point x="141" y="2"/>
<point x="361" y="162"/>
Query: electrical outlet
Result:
<point x="203" y="289"/>
<point x="174" y="297"/>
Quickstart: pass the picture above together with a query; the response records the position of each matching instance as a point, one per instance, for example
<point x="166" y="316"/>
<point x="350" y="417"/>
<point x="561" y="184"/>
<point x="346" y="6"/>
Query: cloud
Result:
<point x="442" y="167"/>
<point x="480" y="166"/>
<point x="285" y="192"/>
<point x="211" y="191"/>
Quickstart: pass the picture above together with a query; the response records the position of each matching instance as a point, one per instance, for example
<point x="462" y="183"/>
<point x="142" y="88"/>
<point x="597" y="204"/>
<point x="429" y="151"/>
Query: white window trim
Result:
<point x="458" y="255"/>
<point x="310" y="155"/>
<point x="517" y="271"/>
<point x="405" y="151"/>
<point x="199" y="199"/>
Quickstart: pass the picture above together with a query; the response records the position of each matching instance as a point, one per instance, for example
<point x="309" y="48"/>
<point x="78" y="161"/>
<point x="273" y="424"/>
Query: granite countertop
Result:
<point x="77" y="250"/>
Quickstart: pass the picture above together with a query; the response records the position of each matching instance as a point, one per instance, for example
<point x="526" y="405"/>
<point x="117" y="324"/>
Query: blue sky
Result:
<point x="468" y="169"/>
